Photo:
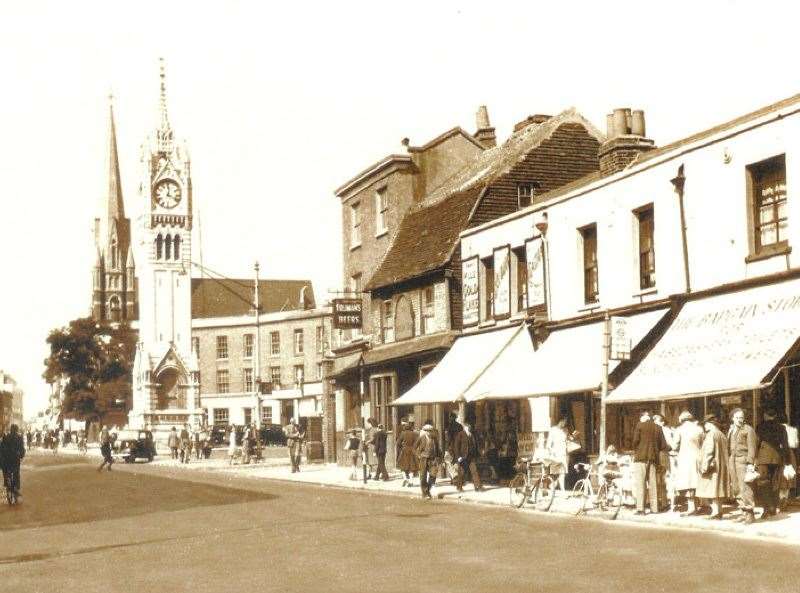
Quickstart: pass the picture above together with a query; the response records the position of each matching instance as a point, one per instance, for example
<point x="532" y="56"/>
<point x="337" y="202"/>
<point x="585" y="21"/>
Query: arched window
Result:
<point x="176" y="251"/>
<point x="159" y="244"/>
<point x="168" y="247"/>
<point x="114" y="309"/>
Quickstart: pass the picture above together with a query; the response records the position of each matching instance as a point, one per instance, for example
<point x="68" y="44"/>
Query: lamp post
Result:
<point x="257" y="349"/>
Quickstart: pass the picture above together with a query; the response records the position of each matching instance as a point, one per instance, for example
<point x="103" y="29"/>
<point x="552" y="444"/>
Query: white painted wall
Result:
<point x="716" y="217"/>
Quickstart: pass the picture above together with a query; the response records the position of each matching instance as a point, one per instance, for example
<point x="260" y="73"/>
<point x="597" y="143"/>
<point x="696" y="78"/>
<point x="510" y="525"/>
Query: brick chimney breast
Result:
<point x="625" y="140"/>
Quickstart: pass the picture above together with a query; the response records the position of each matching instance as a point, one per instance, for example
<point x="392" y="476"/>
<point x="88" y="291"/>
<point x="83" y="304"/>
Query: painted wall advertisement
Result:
<point x="502" y="282"/>
<point x="534" y="256"/>
<point x="469" y="291"/>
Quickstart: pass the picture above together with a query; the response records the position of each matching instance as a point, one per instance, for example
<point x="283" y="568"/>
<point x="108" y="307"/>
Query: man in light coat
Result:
<point x="429" y="454"/>
<point x="742" y="446"/>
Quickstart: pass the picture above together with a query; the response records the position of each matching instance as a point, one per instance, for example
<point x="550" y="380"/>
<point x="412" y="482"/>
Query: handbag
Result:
<point x="789" y="472"/>
<point x="573" y="446"/>
<point x="751" y="475"/>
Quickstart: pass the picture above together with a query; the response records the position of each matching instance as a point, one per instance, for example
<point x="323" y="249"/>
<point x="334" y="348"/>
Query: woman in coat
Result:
<point x="714" y="480"/>
<point x="688" y="440"/>
<point x="406" y="460"/>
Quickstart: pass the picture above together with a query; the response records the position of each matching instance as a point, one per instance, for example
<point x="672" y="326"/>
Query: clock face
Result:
<point x="168" y="193"/>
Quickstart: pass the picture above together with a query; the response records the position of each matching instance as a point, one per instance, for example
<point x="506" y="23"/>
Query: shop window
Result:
<point x="381" y="211"/>
<point x="387" y="328"/>
<point x="223" y="381"/>
<point x="248" y="345"/>
<point x="274" y="343"/>
<point x="522" y="279"/>
<point x="767" y="202"/>
<point x="524" y="194"/>
<point x="428" y="310"/>
<point x="298" y="342"/>
<point x="221" y="416"/>
<point x="222" y="347"/>
<point x="355" y="224"/>
<point x="591" y="289"/>
<point x="248" y="380"/>
<point x="266" y="415"/>
<point x="647" y="255"/>
<point x="488" y="291"/>
<point x="381" y="392"/>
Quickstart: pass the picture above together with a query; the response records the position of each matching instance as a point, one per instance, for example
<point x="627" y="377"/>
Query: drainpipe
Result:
<point x="678" y="183"/>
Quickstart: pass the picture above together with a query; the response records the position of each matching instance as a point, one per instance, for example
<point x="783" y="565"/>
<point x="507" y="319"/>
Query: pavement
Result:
<point x="785" y="527"/>
<point x="162" y="527"/>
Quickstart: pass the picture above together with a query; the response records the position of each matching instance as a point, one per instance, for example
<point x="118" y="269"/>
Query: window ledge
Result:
<point x="589" y="307"/>
<point x="356" y="246"/>
<point x="768" y="252"/>
<point x="223" y="359"/>
<point x="645" y="292"/>
<point x="488" y="323"/>
<point x="381" y="233"/>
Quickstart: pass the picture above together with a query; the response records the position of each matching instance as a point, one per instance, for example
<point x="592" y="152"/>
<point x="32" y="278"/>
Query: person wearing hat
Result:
<point x="379" y="445"/>
<point x="648" y="442"/>
<point x="406" y="460"/>
<point x="713" y="483"/>
<point x="742" y="445"/>
<point x="429" y="454"/>
<point x="465" y="452"/>
<point x="688" y="440"/>
<point x="772" y="456"/>
<point x="352" y="444"/>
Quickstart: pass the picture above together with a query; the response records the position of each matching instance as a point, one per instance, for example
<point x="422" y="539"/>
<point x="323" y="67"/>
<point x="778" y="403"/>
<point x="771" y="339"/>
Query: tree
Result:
<point x="96" y="359"/>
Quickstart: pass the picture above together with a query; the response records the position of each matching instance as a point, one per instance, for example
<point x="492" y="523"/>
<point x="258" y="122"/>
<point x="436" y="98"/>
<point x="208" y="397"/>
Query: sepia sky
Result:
<point x="282" y="104"/>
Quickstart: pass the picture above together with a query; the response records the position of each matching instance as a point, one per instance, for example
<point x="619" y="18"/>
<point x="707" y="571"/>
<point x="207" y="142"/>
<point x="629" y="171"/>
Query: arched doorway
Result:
<point x="171" y="393"/>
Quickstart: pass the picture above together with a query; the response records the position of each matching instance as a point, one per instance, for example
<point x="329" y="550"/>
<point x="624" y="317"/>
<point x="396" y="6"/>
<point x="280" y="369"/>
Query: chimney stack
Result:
<point x="485" y="132"/>
<point x="625" y="140"/>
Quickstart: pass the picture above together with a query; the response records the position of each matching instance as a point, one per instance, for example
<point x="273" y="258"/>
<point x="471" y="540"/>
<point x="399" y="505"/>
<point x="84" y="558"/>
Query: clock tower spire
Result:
<point x="165" y="374"/>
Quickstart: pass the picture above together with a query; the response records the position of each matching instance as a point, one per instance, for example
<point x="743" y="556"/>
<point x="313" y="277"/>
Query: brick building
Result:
<point x="413" y="301"/>
<point x="286" y="349"/>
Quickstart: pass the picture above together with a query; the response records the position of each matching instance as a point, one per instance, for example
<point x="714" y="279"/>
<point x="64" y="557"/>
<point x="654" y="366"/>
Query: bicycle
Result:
<point x="583" y="489"/>
<point x="533" y="483"/>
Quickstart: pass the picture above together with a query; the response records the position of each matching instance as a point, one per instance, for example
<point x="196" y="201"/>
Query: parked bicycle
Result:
<point x="608" y="498"/>
<point x="533" y="483"/>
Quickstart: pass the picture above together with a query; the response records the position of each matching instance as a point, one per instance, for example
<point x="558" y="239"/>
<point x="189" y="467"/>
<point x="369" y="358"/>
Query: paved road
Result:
<point x="144" y="528"/>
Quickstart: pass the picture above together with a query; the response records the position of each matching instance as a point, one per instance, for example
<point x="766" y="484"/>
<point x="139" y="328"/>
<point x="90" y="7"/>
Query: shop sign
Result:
<point x="620" y="339"/>
<point x="502" y="281"/>
<point x="470" y="294"/>
<point x="526" y="444"/>
<point x="347" y="313"/>
<point x="731" y="400"/>
<point x="535" y="263"/>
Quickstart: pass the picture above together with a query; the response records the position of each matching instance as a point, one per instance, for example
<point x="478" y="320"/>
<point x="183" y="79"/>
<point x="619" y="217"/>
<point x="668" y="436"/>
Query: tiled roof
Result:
<point x="425" y="239"/>
<point x="231" y="297"/>
<point x="429" y="232"/>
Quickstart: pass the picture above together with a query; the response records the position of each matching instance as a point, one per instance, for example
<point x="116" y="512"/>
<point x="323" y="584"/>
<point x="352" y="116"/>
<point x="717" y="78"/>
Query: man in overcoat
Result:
<point x="648" y="442"/>
<point x="772" y="456"/>
<point x="379" y="442"/>
<point x="465" y="452"/>
<point x="742" y="445"/>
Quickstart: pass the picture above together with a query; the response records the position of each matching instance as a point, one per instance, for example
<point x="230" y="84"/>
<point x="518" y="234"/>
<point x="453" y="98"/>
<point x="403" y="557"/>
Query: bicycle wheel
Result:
<point x="518" y="490"/>
<point x="609" y="500"/>
<point x="580" y="492"/>
<point x="545" y="493"/>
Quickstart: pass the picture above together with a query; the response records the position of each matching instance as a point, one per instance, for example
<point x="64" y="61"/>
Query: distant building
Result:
<point x="11" y="409"/>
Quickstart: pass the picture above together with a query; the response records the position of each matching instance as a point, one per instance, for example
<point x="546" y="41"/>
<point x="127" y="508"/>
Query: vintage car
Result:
<point x="137" y="445"/>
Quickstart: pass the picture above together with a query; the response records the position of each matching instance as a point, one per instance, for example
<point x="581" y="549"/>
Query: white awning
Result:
<point x="568" y="361"/>
<point x="311" y="389"/>
<point x="719" y="344"/>
<point x="460" y="367"/>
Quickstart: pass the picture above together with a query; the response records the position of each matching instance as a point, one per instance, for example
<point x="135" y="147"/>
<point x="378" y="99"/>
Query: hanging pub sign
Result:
<point x="502" y="281"/>
<point x="620" y="339"/>
<point x="470" y="291"/>
<point x="347" y="313"/>
<point x="534" y="257"/>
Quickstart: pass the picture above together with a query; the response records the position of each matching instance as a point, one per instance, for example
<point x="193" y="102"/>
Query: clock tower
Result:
<point x="166" y="389"/>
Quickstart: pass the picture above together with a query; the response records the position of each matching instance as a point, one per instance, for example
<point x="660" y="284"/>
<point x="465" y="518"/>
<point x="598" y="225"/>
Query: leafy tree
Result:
<point x="96" y="359"/>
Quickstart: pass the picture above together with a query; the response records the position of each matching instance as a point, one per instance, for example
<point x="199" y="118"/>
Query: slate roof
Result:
<point x="212" y="297"/>
<point x="429" y="232"/>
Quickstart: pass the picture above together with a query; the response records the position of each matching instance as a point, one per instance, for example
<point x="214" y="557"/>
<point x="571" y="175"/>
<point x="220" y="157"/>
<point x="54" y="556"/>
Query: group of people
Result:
<point x="703" y="463"/>
<point x="53" y="439"/>
<point x="418" y="453"/>
<point x="181" y="445"/>
<point x="251" y="443"/>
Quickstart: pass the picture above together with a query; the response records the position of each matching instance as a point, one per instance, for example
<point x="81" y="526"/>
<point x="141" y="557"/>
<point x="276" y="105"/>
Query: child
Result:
<point x="352" y="445"/>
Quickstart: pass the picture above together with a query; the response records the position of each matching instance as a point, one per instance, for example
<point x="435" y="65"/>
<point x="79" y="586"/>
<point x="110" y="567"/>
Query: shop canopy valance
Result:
<point x="568" y="361"/>
<point x="719" y="344"/>
<point x="311" y="389"/>
<point x="460" y="368"/>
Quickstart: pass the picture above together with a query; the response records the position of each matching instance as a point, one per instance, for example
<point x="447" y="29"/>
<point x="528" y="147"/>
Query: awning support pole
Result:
<point x="604" y="384"/>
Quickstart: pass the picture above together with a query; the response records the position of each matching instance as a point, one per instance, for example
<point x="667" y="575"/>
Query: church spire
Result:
<point x="116" y="208"/>
<point x="164" y="133"/>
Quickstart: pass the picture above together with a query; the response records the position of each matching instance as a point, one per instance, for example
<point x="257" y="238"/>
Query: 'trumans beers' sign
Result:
<point x="347" y="313"/>
<point x="470" y="295"/>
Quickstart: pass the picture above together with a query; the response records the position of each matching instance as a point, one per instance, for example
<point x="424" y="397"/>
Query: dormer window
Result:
<point x="524" y="194"/>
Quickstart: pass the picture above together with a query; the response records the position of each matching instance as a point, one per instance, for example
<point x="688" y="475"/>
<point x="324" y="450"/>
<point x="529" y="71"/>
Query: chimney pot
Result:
<point x="609" y="126"/>
<point x="405" y="142"/>
<point x="482" y="118"/>
<point x="620" y="122"/>
<point x="637" y="123"/>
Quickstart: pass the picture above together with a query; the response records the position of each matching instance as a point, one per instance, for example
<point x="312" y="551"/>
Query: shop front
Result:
<point x="724" y="350"/>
